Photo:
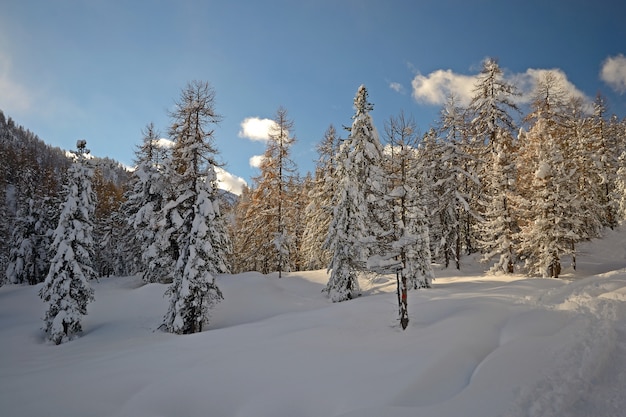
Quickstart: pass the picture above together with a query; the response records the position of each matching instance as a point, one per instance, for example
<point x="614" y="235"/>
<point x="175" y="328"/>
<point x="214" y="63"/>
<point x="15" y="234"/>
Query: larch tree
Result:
<point x="23" y="260"/>
<point x="606" y="152"/>
<point x="281" y="167"/>
<point x="196" y="227"/>
<point x="584" y="172"/>
<point x="493" y="134"/>
<point x="455" y="183"/>
<point x="358" y="203"/>
<point x="406" y="202"/>
<point x="32" y="195"/>
<point x="109" y="254"/>
<point x="29" y="260"/>
<point x="66" y="289"/>
<point x="548" y="204"/>
<point x="407" y="251"/>
<point x="298" y="189"/>
<point x="318" y="212"/>
<point x="543" y="238"/>
<point x="617" y="130"/>
<point x="620" y="185"/>
<point x="268" y="235"/>
<point x="243" y="232"/>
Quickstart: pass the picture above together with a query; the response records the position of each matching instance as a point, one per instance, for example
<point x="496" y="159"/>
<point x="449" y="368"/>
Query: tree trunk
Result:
<point x="402" y="299"/>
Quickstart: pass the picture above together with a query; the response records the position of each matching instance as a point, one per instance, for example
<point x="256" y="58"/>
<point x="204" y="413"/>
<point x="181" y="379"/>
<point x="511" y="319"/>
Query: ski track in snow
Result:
<point x="590" y="373"/>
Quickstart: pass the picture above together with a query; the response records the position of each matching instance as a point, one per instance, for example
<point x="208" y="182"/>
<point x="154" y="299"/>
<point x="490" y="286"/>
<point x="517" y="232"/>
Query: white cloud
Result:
<point x="397" y="87"/>
<point x="229" y="182"/>
<point x="613" y="73"/>
<point x="163" y="143"/>
<point x="255" y="161"/>
<point x="255" y="128"/>
<point x="438" y="85"/>
<point x="527" y="82"/>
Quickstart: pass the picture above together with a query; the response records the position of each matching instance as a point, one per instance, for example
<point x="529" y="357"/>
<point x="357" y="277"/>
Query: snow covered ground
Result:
<point x="476" y="345"/>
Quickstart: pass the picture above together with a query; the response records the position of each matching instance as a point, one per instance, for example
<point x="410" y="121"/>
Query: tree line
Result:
<point x="520" y="191"/>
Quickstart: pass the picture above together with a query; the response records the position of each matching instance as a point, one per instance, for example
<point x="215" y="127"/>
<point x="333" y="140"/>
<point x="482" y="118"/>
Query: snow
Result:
<point x="476" y="345"/>
<point x="544" y="171"/>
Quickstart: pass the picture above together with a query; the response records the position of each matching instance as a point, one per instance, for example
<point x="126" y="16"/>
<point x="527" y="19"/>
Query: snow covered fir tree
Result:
<point x="66" y="288"/>
<point x="492" y="130"/>
<point x="144" y="201"/>
<point x="193" y="230"/>
<point x="358" y="201"/>
<point x="448" y="161"/>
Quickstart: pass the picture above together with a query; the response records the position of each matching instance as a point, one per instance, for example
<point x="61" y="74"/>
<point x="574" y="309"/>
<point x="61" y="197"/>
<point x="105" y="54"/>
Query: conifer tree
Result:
<point x="409" y="240"/>
<point x="544" y="239"/>
<point x="66" y="289"/>
<point x="110" y="246"/>
<point x="144" y="202"/>
<point x="407" y="244"/>
<point x="194" y="292"/>
<point x="617" y="130"/>
<point x="606" y="154"/>
<point x="550" y="223"/>
<point x="344" y="233"/>
<point x="318" y="212"/>
<point x="244" y="258"/>
<point x="31" y="238"/>
<point x="269" y="238"/>
<point x="196" y="234"/>
<point x="279" y="161"/>
<point x="32" y="194"/>
<point x="31" y="177"/>
<point x="298" y="189"/>
<point x="620" y="185"/>
<point x="577" y="143"/>
<point x="358" y="203"/>
<point x="492" y="129"/>
<point x="455" y="182"/>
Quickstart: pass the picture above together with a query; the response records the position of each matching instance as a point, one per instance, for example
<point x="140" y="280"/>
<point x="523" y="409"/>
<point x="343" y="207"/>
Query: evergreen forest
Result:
<point x="520" y="188"/>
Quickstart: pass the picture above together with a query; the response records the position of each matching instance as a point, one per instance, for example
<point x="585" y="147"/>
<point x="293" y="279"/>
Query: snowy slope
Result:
<point x="476" y="346"/>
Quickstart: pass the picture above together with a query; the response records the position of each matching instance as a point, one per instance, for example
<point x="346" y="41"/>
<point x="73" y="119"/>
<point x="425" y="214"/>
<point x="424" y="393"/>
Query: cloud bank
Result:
<point x="613" y="73"/>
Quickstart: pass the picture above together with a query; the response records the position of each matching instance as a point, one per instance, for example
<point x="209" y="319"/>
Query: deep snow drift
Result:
<point x="476" y="345"/>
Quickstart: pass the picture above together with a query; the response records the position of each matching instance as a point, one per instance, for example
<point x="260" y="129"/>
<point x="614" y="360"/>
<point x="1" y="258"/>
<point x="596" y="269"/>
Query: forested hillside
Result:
<point x="31" y="178"/>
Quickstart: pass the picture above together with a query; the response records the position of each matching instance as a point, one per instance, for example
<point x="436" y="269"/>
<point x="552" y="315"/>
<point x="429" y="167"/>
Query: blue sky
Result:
<point x="102" y="70"/>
